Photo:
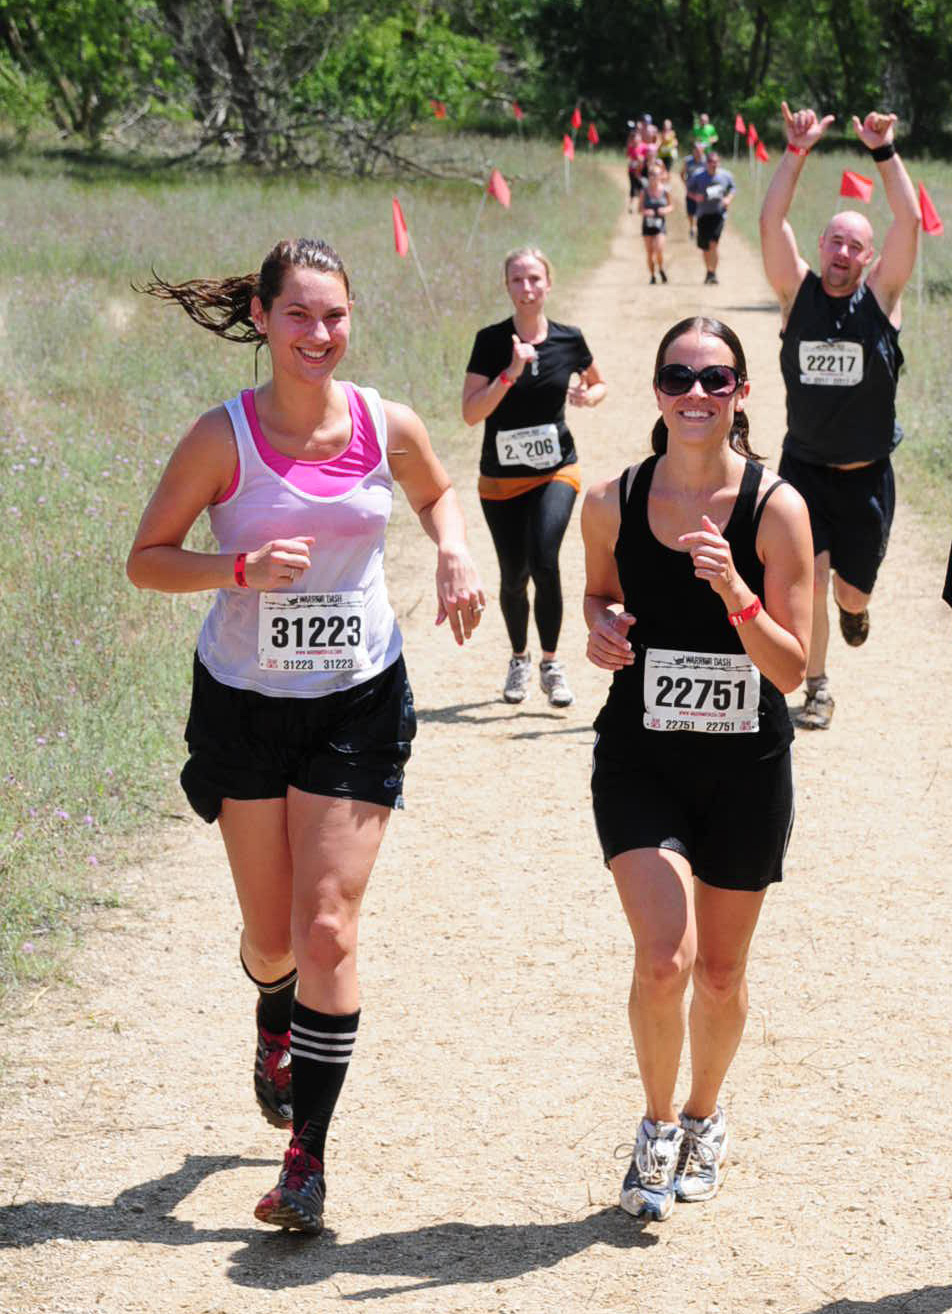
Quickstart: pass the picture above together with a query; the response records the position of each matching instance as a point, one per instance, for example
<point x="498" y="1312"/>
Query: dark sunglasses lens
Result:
<point x="718" y="380"/>
<point x="676" y="379"/>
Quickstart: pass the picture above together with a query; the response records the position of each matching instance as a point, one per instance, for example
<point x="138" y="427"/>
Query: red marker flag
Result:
<point x="568" y="147"/>
<point x="854" y="184"/>
<point x="498" y="187"/>
<point x="438" y="108"/>
<point x="576" y="118"/>
<point x="761" y="152"/>
<point x="752" y="135"/>
<point x="593" y="134"/>
<point x="401" y="235"/>
<point x="517" y="110"/>
<point x="739" y="125"/>
<point x="931" y="223"/>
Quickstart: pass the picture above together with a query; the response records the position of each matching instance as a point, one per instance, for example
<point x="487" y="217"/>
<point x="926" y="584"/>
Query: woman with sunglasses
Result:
<point x="519" y="374"/>
<point x="698" y="597"/>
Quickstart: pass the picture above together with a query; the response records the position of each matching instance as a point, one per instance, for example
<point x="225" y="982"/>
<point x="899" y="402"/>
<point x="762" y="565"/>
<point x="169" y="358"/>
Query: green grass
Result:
<point x="96" y="384"/>
<point x="924" y="459"/>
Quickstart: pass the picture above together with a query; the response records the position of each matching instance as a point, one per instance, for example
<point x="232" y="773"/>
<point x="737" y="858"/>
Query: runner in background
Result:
<point x="697" y="598"/>
<point x="301" y="717"/>
<point x="668" y="146"/>
<point x="634" y="164"/>
<point x="713" y="190"/>
<point x="693" y="163"/>
<point x="517" y="380"/>
<point x="840" y="359"/>
<point x="654" y="206"/>
<point x="705" y="132"/>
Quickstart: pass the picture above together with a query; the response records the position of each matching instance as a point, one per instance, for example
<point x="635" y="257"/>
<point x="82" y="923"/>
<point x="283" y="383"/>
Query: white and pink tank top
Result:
<point x="334" y="627"/>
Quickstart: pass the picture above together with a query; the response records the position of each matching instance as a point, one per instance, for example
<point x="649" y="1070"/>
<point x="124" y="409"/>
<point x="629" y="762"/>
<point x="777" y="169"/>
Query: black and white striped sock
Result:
<point x="321" y="1046"/>
<point x="275" y="1000"/>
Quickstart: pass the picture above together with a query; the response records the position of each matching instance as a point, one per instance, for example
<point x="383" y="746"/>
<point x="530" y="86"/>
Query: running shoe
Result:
<point x="817" y="711"/>
<point x="703" y="1154"/>
<point x="273" y="1077"/>
<point x="648" y="1188"/>
<point x="710" y="276"/>
<point x="854" y="627"/>
<point x="652" y="280"/>
<point x="517" y="679"/>
<point x="553" y="682"/>
<point x="298" y="1199"/>
<point x="662" y="275"/>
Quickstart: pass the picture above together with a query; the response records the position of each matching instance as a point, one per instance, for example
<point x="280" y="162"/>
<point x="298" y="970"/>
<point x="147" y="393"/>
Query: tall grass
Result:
<point x="96" y="383"/>
<point x="924" y="400"/>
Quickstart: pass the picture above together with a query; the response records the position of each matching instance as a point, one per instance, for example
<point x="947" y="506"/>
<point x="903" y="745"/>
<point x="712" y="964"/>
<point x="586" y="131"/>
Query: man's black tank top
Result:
<point x="840" y="360"/>
<point x="677" y="612"/>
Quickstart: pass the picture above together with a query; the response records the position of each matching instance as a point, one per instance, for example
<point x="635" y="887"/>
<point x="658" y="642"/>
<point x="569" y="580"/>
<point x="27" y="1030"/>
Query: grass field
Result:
<point x="924" y="459"/>
<point x="96" y="384"/>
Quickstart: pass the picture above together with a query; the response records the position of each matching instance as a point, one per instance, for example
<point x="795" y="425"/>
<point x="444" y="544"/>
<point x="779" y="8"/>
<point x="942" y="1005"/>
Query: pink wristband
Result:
<point x="505" y="380"/>
<point x="798" y="150"/>
<point x="741" y="617"/>
<point x="240" y="570"/>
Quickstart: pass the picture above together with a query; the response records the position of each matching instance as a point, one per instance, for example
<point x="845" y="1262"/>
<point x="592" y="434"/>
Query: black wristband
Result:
<point x="883" y="152"/>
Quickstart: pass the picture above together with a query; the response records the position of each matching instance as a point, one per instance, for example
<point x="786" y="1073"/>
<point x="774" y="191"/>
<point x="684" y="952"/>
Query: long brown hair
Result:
<point x="739" y="438"/>
<point x="223" y="306"/>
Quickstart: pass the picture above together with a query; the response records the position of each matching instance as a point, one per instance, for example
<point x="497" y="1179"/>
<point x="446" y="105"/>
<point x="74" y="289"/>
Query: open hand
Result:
<point x="459" y="594"/>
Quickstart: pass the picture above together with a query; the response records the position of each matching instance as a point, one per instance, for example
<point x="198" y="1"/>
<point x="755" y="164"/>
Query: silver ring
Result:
<point x="477" y="609"/>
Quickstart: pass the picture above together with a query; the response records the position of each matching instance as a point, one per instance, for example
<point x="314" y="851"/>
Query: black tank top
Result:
<point x="678" y="615"/>
<point x="840" y="361"/>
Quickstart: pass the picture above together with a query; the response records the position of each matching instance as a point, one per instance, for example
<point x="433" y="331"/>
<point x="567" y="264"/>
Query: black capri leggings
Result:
<point x="528" y="532"/>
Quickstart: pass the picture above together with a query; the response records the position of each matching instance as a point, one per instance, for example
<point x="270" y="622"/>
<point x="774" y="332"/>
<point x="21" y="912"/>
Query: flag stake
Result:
<point x="479" y="211"/>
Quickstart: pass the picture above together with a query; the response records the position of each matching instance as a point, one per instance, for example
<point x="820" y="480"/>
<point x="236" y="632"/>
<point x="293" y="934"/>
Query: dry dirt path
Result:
<point x="471" y="1163"/>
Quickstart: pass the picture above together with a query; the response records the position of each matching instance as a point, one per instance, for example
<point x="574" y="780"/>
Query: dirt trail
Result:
<point x="471" y="1163"/>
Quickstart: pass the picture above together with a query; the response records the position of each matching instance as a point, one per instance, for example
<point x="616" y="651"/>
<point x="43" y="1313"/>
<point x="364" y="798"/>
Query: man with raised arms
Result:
<point x="840" y="360"/>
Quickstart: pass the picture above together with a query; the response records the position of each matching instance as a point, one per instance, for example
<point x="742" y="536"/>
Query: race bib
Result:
<point x="831" y="364"/>
<point x="312" y="632"/>
<point x="652" y="221"/>
<point x="715" y="192"/>
<point x="537" y="446"/>
<point x="713" y="692"/>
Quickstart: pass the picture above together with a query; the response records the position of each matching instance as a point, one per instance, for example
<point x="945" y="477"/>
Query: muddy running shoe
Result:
<point x="854" y="627"/>
<point x="554" y="684"/>
<point x="817" y="712"/>
<point x="648" y="1188"/>
<point x="273" y="1077"/>
<point x="517" y="679"/>
<point x="703" y="1154"/>
<point x="298" y="1199"/>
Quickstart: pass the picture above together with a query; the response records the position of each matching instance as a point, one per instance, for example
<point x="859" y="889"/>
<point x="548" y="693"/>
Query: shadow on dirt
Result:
<point x="924" y="1300"/>
<point x="441" y="1254"/>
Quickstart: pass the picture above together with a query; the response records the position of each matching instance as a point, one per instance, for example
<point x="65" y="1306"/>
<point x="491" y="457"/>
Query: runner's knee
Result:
<point x="325" y="940"/>
<point x="720" y="979"/>
<point x="660" y="970"/>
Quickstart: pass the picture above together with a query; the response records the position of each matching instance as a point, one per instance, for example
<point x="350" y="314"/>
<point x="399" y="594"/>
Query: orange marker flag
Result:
<point x="438" y="108"/>
<point x="855" y="185"/>
<point x="931" y="223"/>
<point x="498" y="187"/>
<point x="401" y="234"/>
<point x="592" y="134"/>
<point x="576" y="118"/>
<point x="761" y="152"/>
<point x="568" y="147"/>
<point x="517" y="110"/>
<point x="739" y="125"/>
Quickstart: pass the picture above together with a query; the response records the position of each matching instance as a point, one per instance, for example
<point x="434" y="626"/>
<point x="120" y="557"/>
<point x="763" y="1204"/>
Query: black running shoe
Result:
<point x="273" y="1077"/>
<point x="297" y="1202"/>
<point x="663" y="276"/>
<point x="854" y="627"/>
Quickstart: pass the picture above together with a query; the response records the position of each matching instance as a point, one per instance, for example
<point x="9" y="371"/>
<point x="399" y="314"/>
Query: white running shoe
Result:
<point x="517" y="679"/>
<point x="703" y="1154"/>
<point x="553" y="682"/>
<point x="648" y="1188"/>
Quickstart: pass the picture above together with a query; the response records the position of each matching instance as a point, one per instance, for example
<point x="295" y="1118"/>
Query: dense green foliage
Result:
<point x="308" y="81"/>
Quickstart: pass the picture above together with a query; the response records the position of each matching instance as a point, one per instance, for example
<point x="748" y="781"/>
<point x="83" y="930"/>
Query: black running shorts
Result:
<point x="733" y="826"/>
<point x="851" y="513"/>
<point x="351" y="744"/>
<point x="709" y="229"/>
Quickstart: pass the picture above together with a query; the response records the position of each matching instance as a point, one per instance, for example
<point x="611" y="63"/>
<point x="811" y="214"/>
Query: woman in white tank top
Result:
<point x="302" y="716"/>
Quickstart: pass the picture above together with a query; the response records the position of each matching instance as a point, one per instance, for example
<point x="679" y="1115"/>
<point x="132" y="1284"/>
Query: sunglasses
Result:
<point x="716" y="380"/>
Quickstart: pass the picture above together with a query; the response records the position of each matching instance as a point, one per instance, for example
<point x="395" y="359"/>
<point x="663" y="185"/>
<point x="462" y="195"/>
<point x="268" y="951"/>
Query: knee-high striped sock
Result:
<point x="275" y="999"/>
<point x="321" y="1046"/>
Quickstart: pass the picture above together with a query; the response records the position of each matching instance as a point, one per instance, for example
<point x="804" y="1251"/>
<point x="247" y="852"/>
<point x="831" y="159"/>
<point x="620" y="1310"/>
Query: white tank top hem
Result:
<point x="346" y="557"/>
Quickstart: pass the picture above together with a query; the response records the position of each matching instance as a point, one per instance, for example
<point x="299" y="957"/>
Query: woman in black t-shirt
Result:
<point x="517" y="379"/>
<point x="699" y="580"/>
